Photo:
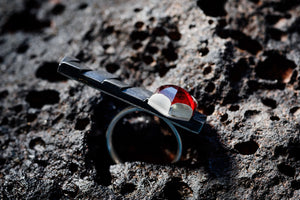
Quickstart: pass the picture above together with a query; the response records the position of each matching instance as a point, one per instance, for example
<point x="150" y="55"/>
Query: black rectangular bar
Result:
<point x="140" y="93"/>
<point x="109" y="84"/>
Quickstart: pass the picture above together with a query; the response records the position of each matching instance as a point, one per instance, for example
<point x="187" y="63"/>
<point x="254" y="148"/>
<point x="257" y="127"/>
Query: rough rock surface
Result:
<point x="239" y="58"/>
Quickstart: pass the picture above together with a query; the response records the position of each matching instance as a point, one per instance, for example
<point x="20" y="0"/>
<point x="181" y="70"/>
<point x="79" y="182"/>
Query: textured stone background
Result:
<point x="239" y="58"/>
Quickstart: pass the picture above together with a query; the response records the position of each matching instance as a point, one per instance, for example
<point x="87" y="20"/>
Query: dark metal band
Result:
<point x="111" y="85"/>
<point x="120" y="115"/>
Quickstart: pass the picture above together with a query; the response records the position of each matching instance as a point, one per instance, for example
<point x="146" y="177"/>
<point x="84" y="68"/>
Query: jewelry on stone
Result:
<point x="172" y="104"/>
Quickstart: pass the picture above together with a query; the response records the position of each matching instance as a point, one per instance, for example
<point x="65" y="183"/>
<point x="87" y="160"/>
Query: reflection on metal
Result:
<point x="111" y="85"/>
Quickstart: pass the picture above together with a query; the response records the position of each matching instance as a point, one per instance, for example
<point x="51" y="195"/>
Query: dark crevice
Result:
<point x="139" y="35"/>
<point x="246" y="148"/>
<point x="48" y="71"/>
<point x="274" y="118"/>
<point x="295" y="184"/>
<point x="275" y="33"/>
<point x="30" y="117"/>
<point x="174" y="35"/>
<point x="238" y="70"/>
<point x="81" y="123"/>
<point x="139" y="24"/>
<point x="224" y="117"/>
<point x="294" y="109"/>
<point x="25" y="21"/>
<point x="82" y="6"/>
<point x="213" y="8"/>
<point x="73" y="167"/>
<point x="243" y="41"/>
<point x="58" y="9"/>
<point x="36" y="141"/>
<point x="37" y="99"/>
<point x="112" y="67"/>
<point x="210" y="87"/>
<point x="275" y="67"/>
<point x="22" y="48"/>
<point x="3" y="94"/>
<point x="207" y="70"/>
<point x="234" y="108"/>
<point x="286" y="169"/>
<point x="269" y="102"/>
<point x="176" y="189"/>
<point x="272" y="19"/>
<point x="127" y="188"/>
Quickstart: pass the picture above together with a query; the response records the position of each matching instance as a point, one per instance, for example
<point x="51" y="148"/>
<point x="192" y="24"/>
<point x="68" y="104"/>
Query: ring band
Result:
<point x="115" y="120"/>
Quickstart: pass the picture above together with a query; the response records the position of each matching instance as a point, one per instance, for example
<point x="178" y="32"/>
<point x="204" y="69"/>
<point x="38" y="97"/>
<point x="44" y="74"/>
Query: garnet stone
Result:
<point x="174" y="102"/>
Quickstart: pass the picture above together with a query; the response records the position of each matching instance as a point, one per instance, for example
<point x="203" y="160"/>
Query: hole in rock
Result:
<point x="58" y="118"/>
<point x="284" y="6"/>
<point x="213" y="8"/>
<point x="174" y="35"/>
<point x="81" y="123"/>
<point x="3" y="94"/>
<point x="137" y="9"/>
<point x="275" y="33"/>
<point x="203" y="51"/>
<point x="73" y="167"/>
<point x="231" y="97"/>
<point x="224" y="117"/>
<point x="246" y="148"/>
<point x="152" y="49"/>
<point x="176" y="189"/>
<point x="82" y="6"/>
<point x="17" y="108"/>
<point x="280" y="150"/>
<point x="275" y="67"/>
<point x="147" y="59"/>
<point x="2" y="161"/>
<point x="254" y="1"/>
<point x="238" y="70"/>
<point x="295" y="184"/>
<point x="71" y="116"/>
<point x="48" y="71"/>
<point x="210" y="87"/>
<point x="137" y="45"/>
<point x="272" y="19"/>
<point x="127" y="188"/>
<point x="37" y="143"/>
<point x="30" y="117"/>
<point x="159" y="31"/>
<point x="207" y="70"/>
<point x="169" y="53"/>
<point x="269" y="102"/>
<point x="112" y="67"/>
<point x="207" y="109"/>
<point x="274" y="118"/>
<point x="234" y="108"/>
<point x="139" y="35"/>
<point x="244" y="41"/>
<point x="37" y="99"/>
<point x="139" y="24"/>
<point x="24" y="21"/>
<point x="294" y="150"/>
<point x="58" y="9"/>
<point x="293" y="110"/>
<point x="286" y="169"/>
<point x="22" y="48"/>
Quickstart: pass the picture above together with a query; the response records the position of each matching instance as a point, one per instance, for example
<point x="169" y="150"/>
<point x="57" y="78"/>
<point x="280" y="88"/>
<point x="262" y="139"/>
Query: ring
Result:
<point x="174" y="105"/>
<point x="110" y="130"/>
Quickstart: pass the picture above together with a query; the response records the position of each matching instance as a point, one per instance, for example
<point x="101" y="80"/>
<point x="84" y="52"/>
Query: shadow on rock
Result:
<point x="147" y="138"/>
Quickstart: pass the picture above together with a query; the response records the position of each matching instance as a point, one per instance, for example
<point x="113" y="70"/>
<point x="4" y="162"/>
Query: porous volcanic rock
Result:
<point x="239" y="58"/>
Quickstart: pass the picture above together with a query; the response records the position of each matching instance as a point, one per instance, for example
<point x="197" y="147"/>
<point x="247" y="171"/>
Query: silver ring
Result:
<point x="110" y="130"/>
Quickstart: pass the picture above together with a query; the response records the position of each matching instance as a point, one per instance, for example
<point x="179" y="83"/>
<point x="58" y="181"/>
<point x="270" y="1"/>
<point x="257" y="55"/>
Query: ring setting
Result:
<point x="170" y="103"/>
